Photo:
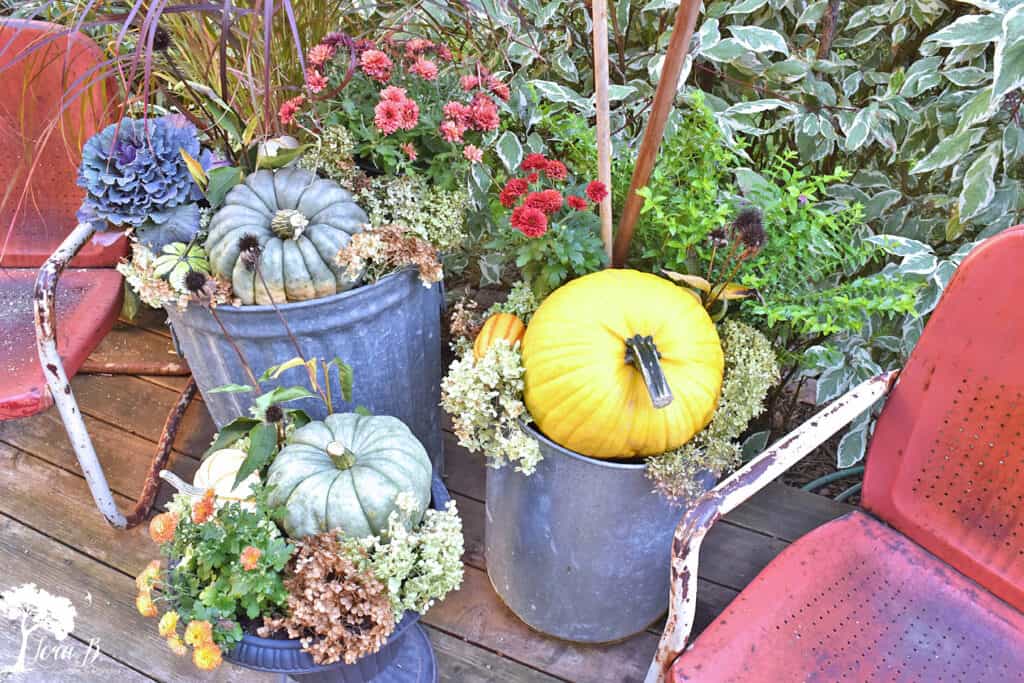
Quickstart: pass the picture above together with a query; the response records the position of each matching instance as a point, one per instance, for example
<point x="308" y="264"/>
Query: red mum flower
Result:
<point x="556" y="170"/>
<point x="410" y="115"/>
<point x="286" y="114"/>
<point x="529" y="221"/>
<point x="469" y="82"/>
<point x="485" y="113"/>
<point x="424" y="68"/>
<point x="532" y="178"/>
<point x="376" y="65"/>
<point x="548" y="201"/>
<point x="534" y="162"/>
<point x="315" y="80"/>
<point x="577" y="203"/>
<point x="387" y="116"/>
<point x="597" y="191"/>
<point x="452" y="131"/>
<point x="393" y="93"/>
<point x="513" y="190"/>
<point x="320" y="54"/>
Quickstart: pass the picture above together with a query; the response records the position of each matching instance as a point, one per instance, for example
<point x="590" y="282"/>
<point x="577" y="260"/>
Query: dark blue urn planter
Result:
<point x="407" y="657"/>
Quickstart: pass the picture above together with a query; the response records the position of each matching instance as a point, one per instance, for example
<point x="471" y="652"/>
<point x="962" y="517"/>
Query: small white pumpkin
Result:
<point x="218" y="472"/>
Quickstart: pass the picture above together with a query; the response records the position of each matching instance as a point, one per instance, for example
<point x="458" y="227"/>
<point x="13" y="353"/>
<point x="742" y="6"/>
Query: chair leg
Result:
<point x="60" y="389"/>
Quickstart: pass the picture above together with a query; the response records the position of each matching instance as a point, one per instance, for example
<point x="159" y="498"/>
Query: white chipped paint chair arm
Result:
<point x="738" y="488"/>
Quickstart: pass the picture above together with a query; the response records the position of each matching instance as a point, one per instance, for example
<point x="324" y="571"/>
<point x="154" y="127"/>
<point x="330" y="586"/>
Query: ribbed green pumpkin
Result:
<point x="346" y="473"/>
<point x="300" y="220"/>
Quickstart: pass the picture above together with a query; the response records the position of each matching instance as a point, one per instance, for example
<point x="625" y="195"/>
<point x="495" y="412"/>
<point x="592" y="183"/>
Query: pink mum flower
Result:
<point x="409" y="150"/>
<point x="315" y="80"/>
<point x="387" y="116"/>
<point x="485" y="113"/>
<point x="417" y="45"/>
<point x="393" y="93"/>
<point x="458" y="112"/>
<point x="452" y="131"/>
<point x="376" y="65"/>
<point x="469" y="82"/>
<point x="424" y="68"/>
<point x="473" y="153"/>
<point x="320" y="54"/>
<point x="286" y="114"/>
<point x="410" y="114"/>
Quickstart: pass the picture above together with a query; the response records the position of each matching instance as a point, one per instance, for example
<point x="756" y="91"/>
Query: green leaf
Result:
<point x="509" y="151"/>
<point x="222" y="179"/>
<point x="979" y="182"/>
<point x="975" y="110"/>
<point x="230" y="433"/>
<point x="754" y="444"/>
<point x="949" y="151"/>
<point x="832" y="383"/>
<point x="852" y="447"/>
<point x="899" y="246"/>
<point x="812" y="13"/>
<point x="973" y="29"/>
<point x="724" y="50"/>
<point x="282" y="158"/>
<point x="759" y="39"/>
<point x="262" y="446"/>
<point x="758" y="106"/>
<point x="231" y="389"/>
<point x="345" y="378"/>
<point x="364" y="411"/>
<point x="298" y="417"/>
<point x="285" y="394"/>
<point x="746" y="6"/>
<point x="618" y="92"/>
<point x="966" y="76"/>
<point x="860" y="129"/>
<point x="1008" y="67"/>
<point x="274" y="371"/>
<point x="921" y="263"/>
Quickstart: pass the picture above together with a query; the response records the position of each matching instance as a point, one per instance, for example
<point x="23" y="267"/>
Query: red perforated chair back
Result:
<point x="946" y="463"/>
<point x="51" y="102"/>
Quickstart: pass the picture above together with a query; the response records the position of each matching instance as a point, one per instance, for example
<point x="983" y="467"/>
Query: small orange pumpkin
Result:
<point x="498" y="326"/>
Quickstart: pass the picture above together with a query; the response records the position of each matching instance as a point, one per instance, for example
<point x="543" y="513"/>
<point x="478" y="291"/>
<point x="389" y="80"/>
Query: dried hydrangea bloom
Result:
<point x="337" y="611"/>
<point x="376" y="252"/>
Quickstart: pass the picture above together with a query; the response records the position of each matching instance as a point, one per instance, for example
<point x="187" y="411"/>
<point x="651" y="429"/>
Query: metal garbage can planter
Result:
<point x="389" y="332"/>
<point x="407" y="656"/>
<point x="580" y="549"/>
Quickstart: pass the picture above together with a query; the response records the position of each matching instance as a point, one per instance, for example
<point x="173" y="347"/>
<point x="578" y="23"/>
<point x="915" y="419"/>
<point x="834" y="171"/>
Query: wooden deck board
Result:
<point x="55" y="537"/>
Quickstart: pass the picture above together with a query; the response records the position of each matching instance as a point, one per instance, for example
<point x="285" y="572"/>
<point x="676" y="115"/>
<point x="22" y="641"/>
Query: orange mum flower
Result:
<point x="144" y="603"/>
<point x="144" y="581"/>
<point x="250" y="558"/>
<point x="198" y="633"/>
<point x="177" y="646"/>
<point x="207" y="657"/>
<point x="168" y="624"/>
<point x="161" y="527"/>
<point x="202" y="509"/>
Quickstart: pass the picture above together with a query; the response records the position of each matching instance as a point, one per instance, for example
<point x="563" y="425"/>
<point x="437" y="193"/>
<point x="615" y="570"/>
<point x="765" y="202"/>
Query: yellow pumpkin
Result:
<point x="218" y="472"/>
<point x="621" y="364"/>
<point x="498" y="326"/>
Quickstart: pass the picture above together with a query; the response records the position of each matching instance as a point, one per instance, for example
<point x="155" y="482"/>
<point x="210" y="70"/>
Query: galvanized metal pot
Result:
<point x="389" y="332"/>
<point x="580" y="549"/>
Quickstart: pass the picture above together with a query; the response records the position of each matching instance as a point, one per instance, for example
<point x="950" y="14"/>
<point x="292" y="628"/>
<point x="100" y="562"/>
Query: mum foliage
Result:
<point x="133" y="171"/>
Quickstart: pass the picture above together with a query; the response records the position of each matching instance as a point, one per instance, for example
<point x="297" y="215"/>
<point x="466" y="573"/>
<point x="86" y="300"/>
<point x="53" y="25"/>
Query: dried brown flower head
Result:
<point x="750" y="229"/>
<point x="249" y="246"/>
<point x="466" y="320"/>
<point x="376" y="252"/>
<point x="274" y="413"/>
<point x="337" y="611"/>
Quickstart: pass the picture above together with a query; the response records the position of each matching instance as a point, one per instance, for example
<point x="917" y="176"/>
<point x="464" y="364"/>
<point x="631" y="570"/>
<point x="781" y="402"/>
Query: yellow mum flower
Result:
<point x="198" y="633"/>
<point x="144" y="603"/>
<point x="168" y="624"/>
<point x="207" y="657"/>
<point x="144" y="581"/>
<point x="177" y="646"/>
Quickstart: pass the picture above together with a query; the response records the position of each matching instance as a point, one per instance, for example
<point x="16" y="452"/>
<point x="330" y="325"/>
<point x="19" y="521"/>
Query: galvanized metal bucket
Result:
<point x="389" y="332"/>
<point x="580" y="549"/>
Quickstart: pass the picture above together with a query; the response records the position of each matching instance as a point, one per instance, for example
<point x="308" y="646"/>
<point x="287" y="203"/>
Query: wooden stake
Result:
<point x="599" y="10"/>
<point x="664" y="98"/>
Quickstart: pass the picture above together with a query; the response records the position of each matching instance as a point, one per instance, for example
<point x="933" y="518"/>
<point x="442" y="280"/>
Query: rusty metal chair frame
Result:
<point x="734" y="491"/>
<point x="44" y="302"/>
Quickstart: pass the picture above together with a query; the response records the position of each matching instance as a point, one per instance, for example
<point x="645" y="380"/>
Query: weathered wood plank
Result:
<point x="104" y="599"/>
<point x="66" y="661"/>
<point x="57" y="503"/>
<point x="133" y="349"/>
<point x="152" y="319"/>
<point x="125" y="457"/>
<point x="475" y="613"/>
<point x="461" y="662"/>
<point x="140" y="408"/>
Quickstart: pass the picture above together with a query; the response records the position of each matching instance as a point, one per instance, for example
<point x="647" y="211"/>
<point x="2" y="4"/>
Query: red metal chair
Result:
<point x="52" y="99"/>
<point x="927" y="584"/>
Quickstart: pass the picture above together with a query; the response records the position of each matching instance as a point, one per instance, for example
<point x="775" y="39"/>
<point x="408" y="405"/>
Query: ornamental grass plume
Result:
<point x="337" y="611"/>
